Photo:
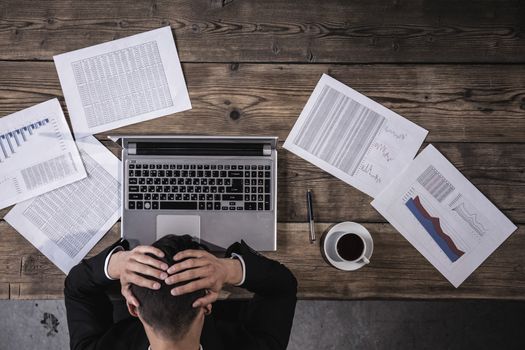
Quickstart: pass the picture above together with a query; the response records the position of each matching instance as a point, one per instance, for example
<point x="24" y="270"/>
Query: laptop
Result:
<point x="217" y="189"/>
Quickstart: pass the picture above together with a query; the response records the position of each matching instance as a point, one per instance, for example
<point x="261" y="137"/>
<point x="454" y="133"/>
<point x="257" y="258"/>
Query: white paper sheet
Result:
<point x="66" y="223"/>
<point x="443" y="215"/>
<point x="122" y="82"/>
<point x="353" y="138"/>
<point x="37" y="153"/>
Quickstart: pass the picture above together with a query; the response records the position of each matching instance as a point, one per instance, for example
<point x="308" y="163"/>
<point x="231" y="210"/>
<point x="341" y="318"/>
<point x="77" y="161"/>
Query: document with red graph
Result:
<point x="443" y="215"/>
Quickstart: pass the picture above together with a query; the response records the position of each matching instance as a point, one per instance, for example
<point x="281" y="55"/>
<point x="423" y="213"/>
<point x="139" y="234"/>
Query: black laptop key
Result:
<point x="139" y="205"/>
<point x="249" y="206"/>
<point x="178" y="205"/>
<point x="234" y="189"/>
<point x="131" y="205"/>
<point x="217" y="206"/>
<point x="133" y="181"/>
<point x="155" y="205"/>
<point x="133" y="188"/>
<point x="202" y="206"/>
<point x="267" y="202"/>
<point x="267" y="186"/>
<point x="232" y="197"/>
<point x="235" y="173"/>
<point x="209" y="206"/>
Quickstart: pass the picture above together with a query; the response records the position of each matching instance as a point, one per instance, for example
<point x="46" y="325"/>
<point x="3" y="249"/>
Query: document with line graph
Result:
<point x="37" y="153"/>
<point x="443" y="215"/>
<point x="122" y="82"/>
<point x="353" y="138"/>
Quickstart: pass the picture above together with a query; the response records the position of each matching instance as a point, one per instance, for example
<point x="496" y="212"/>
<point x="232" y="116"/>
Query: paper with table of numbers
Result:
<point x="37" y="153"/>
<point x="443" y="215"/>
<point x="122" y="82"/>
<point x="353" y="138"/>
<point x="66" y="223"/>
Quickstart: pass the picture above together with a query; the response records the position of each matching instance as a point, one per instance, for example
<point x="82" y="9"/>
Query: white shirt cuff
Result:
<point x="237" y="256"/>
<point x="106" y="263"/>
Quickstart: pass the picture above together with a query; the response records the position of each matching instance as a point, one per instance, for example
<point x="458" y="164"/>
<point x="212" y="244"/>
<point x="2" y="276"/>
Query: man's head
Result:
<point x="169" y="316"/>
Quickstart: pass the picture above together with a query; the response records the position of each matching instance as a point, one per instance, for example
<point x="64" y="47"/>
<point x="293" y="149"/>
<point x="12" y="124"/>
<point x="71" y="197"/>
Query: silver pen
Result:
<point x="310" y="215"/>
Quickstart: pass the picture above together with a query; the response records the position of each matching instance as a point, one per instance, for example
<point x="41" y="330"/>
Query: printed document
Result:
<point x="443" y="215"/>
<point x="37" y="153"/>
<point x="122" y="82"/>
<point x="66" y="223"/>
<point x="353" y="138"/>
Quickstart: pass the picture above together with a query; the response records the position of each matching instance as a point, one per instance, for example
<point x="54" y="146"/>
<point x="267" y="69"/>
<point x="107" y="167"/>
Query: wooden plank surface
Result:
<point x="397" y="270"/>
<point x="456" y="103"/>
<point x="495" y="168"/>
<point x="248" y="66"/>
<point x="275" y="30"/>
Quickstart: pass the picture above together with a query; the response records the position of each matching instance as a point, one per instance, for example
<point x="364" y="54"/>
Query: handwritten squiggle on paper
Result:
<point x="396" y="135"/>
<point x="369" y="170"/>
<point x="383" y="149"/>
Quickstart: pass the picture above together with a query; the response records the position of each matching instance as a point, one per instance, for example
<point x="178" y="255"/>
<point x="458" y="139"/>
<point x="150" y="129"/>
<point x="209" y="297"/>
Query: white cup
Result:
<point x="332" y="252"/>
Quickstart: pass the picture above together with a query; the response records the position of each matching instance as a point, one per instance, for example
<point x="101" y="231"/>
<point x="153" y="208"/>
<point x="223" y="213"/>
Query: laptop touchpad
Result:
<point x="179" y="225"/>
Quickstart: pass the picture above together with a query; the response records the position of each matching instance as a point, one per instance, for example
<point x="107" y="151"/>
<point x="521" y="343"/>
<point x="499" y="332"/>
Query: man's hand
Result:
<point x="207" y="271"/>
<point x="125" y="266"/>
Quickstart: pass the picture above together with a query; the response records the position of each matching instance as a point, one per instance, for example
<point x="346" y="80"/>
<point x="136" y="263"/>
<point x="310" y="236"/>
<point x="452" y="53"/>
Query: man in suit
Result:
<point x="169" y="289"/>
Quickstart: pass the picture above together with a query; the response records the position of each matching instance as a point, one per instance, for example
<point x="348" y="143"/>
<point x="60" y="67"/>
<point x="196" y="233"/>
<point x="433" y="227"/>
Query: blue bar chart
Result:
<point x="12" y="140"/>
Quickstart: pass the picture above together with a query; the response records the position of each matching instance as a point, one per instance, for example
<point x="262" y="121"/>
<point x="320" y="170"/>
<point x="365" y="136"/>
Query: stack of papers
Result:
<point x="69" y="192"/>
<point x="426" y="199"/>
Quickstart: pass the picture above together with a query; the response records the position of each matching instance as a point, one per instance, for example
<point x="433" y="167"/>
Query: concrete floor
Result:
<point x="323" y="325"/>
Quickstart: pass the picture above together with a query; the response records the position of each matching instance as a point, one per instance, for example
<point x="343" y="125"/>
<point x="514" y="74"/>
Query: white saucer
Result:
<point x="353" y="227"/>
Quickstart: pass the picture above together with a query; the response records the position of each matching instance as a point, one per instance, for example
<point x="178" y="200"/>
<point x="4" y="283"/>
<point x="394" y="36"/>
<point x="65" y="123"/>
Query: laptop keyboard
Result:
<point x="231" y="187"/>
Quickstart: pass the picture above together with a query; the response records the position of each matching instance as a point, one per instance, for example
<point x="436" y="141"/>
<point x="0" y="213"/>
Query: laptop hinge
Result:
<point x="199" y="148"/>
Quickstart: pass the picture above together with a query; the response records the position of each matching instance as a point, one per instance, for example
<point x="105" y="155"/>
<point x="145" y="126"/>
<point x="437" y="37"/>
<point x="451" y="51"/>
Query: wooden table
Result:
<point x="455" y="68"/>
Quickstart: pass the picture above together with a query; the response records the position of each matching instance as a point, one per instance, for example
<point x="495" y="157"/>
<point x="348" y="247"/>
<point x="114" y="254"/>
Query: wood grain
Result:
<point x="495" y="168"/>
<point x="275" y="31"/>
<point x="475" y="103"/>
<point x="397" y="269"/>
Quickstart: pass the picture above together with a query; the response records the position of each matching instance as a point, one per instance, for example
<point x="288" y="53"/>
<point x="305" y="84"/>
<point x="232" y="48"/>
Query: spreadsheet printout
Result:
<point x="37" y="153"/>
<point x="122" y="82"/>
<point x="66" y="223"/>
<point x="443" y="215"/>
<point x="353" y="137"/>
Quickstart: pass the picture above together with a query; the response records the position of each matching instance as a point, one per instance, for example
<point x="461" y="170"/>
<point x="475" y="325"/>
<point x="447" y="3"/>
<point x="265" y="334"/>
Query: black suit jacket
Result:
<point x="262" y="323"/>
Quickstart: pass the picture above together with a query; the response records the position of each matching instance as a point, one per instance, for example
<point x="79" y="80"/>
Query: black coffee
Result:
<point x="350" y="246"/>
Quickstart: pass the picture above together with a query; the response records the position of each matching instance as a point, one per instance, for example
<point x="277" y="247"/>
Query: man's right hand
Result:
<point x="126" y="266"/>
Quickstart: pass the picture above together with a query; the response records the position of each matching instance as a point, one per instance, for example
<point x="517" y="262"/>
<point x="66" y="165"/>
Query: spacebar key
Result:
<point x="178" y="205"/>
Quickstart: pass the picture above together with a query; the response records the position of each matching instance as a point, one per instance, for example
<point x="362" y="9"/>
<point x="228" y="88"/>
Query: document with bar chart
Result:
<point x="66" y="223"/>
<point x="443" y="215"/>
<point x="353" y="137"/>
<point x="122" y="82"/>
<point x="37" y="153"/>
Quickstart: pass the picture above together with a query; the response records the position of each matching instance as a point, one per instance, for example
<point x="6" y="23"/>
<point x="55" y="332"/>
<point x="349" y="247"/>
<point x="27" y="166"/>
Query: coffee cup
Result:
<point x="347" y="246"/>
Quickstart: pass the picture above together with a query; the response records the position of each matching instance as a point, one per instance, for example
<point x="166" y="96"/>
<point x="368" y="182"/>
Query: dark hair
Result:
<point x="169" y="315"/>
